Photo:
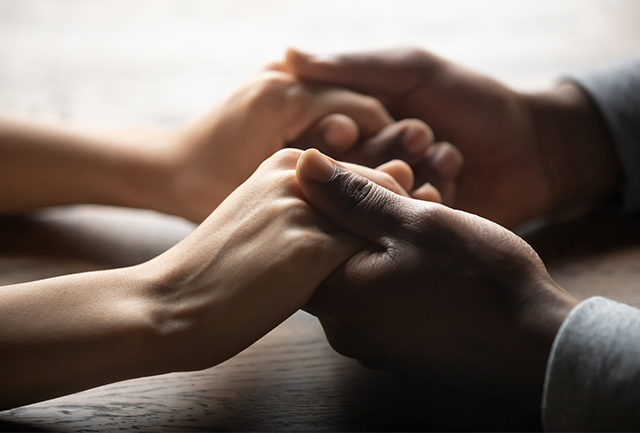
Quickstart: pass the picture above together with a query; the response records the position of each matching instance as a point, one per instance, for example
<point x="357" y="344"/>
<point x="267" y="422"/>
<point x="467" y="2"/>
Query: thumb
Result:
<point x="349" y="200"/>
<point x="379" y="73"/>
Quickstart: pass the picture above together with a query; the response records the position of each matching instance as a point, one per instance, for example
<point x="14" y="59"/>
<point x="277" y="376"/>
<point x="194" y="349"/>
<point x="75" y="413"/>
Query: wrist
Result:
<point x="185" y="315"/>
<point x="140" y="174"/>
<point x="169" y="319"/>
<point x="577" y="153"/>
<point x="541" y="317"/>
<point x="194" y="182"/>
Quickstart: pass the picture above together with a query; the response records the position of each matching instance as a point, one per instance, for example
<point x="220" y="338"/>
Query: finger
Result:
<point x="446" y="160"/>
<point x="428" y="192"/>
<point x="295" y="106"/>
<point x="335" y="133"/>
<point x="368" y="113"/>
<point x="382" y="177"/>
<point x="331" y="135"/>
<point x="350" y="200"/>
<point x="441" y="168"/>
<point x="448" y="193"/>
<point x="274" y="66"/>
<point x="407" y="140"/>
<point x="387" y="72"/>
<point x="400" y="171"/>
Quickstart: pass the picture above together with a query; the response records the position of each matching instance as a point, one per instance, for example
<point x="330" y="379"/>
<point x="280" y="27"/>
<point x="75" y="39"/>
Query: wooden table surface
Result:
<point x="105" y="63"/>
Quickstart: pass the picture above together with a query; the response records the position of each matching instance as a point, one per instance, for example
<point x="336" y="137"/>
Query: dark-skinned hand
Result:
<point x="438" y="290"/>
<point x="525" y="154"/>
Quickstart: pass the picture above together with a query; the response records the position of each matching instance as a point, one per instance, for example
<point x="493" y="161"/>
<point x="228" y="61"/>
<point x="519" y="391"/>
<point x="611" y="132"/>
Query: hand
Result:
<point x="188" y="172"/>
<point x="251" y="264"/>
<point x="524" y="154"/>
<point x="210" y="157"/>
<point x="256" y="260"/>
<point x="438" y="290"/>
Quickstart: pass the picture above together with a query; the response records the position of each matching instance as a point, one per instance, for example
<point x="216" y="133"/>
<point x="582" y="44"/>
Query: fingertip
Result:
<point x="427" y="192"/>
<point x="340" y="132"/>
<point x="277" y="66"/>
<point x="446" y="160"/>
<point x="400" y="171"/>
<point x="315" y="166"/>
<point x="417" y="137"/>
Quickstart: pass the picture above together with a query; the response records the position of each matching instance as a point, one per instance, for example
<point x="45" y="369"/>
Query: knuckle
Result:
<point x="283" y="159"/>
<point x="387" y="180"/>
<point x="282" y="93"/>
<point x="357" y="190"/>
<point x="372" y="104"/>
<point x="301" y="246"/>
<point x="297" y="213"/>
<point x="272" y="88"/>
<point x="274" y="82"/>
<point x="419" y="60"/>
<point x="415" y="54"/>
<point x="429" y="218"/>
<point x="287" y="157"/>
<point x="307" y="243"/>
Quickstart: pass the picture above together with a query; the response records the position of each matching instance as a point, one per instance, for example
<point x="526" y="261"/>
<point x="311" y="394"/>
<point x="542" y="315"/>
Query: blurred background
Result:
<point x="121" y="62"/>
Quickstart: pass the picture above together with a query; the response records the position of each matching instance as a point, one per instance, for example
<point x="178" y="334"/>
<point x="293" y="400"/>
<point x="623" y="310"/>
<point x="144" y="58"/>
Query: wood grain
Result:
<point x="291" y="379"/>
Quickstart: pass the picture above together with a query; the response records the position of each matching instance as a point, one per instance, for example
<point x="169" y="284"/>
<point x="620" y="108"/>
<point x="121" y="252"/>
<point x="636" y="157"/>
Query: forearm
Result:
<point x="52" y="164"/>
<point x="70" y="333"/>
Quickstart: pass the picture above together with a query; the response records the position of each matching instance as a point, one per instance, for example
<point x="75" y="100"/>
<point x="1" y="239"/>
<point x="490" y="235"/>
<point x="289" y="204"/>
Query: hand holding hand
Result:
<point x="437" y="290"/>
<point x="524" y="154"/>
<point x="209" y="158"/>
<point x="256" y="260"/>
<point x="251" y="264"/>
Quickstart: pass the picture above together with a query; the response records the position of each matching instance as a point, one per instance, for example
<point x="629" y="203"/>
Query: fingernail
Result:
<point x="414" y="139"/>
<point x="318" y="167"/>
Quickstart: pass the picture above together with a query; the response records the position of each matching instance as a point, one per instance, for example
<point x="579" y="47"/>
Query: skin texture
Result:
<point x="437" y="290"/>
<point x="219" y="151"/>
<point x="251" y="264"/>
<point x="189" y="171"/>
<point x="525" y="154"/>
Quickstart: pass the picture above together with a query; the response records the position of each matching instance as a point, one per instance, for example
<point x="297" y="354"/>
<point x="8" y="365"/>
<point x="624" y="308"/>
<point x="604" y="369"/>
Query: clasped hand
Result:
<point x="397" y="279"/>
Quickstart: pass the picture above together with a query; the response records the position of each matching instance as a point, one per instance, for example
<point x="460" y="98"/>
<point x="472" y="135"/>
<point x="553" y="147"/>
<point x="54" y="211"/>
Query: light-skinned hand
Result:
<point x="252" y="263"/>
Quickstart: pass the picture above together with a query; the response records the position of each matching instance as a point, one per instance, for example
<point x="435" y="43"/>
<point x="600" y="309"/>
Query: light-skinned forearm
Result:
<point x="47" y="164"/>
<point x="251" y="264"/>
<point x="70" y="333"/>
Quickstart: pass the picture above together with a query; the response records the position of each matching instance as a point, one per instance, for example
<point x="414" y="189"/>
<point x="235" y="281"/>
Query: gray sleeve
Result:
<point x="616" y="92"/>
<point x="593" y="373"/>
